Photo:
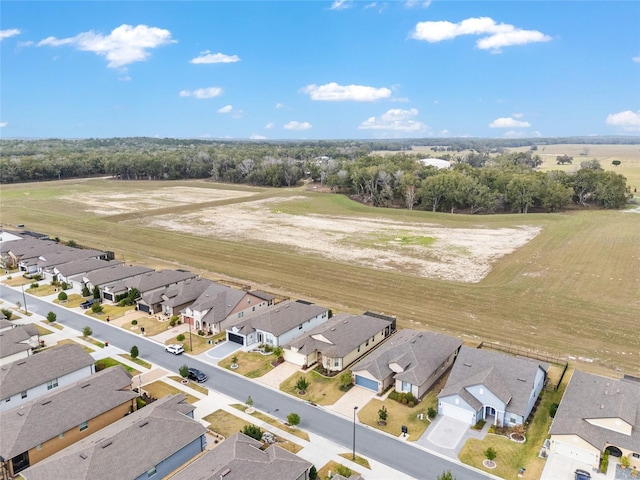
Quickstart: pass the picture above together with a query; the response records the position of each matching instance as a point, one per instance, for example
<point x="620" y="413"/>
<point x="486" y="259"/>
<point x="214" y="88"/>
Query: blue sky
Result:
<point x="319" y="69"/>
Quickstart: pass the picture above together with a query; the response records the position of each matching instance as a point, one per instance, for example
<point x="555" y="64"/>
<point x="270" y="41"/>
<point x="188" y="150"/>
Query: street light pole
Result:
<point x="190" y="341"/>
<point x="24" y="300"/>
<point x="354" y="433"/>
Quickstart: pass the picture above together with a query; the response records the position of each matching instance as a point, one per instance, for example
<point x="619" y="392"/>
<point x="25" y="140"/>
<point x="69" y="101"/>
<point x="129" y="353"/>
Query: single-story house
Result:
<point x="178" y="297"/>
<point x="36" y="375"/>
<point x="279" y="324"/>
<point x="340" y="341"/>
<point x="72" y="272"/>
<point x="219" y="306"/>
<point x="109" y="274"/>
<point x="491" y="386"/>
<point x="411" y="360"/>
<point x="18" y="341"/>
<point x="47" y="262"/>
<point x="27" y="250"/>
<point x="597" y="414"/>
<point x="150" y="443"/>
<point x="240" y="457"/>
<point x="39" y="428"/>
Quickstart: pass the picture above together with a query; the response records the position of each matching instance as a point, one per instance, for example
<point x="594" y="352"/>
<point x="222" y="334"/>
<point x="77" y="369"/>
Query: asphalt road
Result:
<point x="398" y="455"/>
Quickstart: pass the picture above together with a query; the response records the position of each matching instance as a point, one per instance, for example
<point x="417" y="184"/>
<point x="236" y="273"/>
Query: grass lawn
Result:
<point x="113" y="311"/>
<point x="275" y="422"/>
<point x="251" y="365"/>
<point x="159" y="389"/>
<point x="151" y="325"/>
<point x="95" y="342"/>
<point x="53" y="325"/>
<point x="359" y="460"/>
<point x="397" y="416"/>
<point x="112" y="362"/>
<point x="16" y="281"/>
<point x="42" y="331"/>
<point x="512" y="456"/>
<point x="73" y="300"/>
<point x="199" y="344"/>
<point x="321" y="390"/>
<point x="323" y="473"/>
<point x="191" y="384"/>
<point x="137" y="360"/>
<point x="43" y="290"/>
<point x="67" y="341"/>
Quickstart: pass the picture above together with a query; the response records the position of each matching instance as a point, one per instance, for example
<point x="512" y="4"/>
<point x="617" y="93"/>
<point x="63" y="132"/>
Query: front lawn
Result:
<point x="397" y="416"/>
<point x="159" y="389"/>
<point x="112" y="362"/>
<point x="321" y="390"/>
<point x="42" y="290"/>
<point x="334" y="467"/>
<point x="151" y="325"/>
<point x="199" y="343"/>
<point x="73" y="300"/>
<point x="191" y="384"/>
<point x="251" y="365"/>
<point x="16" y="281"/>
<point x="275" y="422"/>
<point x="137" y="360"/>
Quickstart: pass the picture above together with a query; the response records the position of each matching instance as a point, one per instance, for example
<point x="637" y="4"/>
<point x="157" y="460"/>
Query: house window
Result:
<point x="636" y="455"/>
<point x="336" y="362"/>
<point x="241" y="314"/>
<point x="512" y="420"/>
<point x="52" y="384"/>
<point x="151" y="472"/>
<point x="23" y="394"/>
<point x="84" y="426"/>
<point x="253" y="309"/>
<point x="61" y="435"/>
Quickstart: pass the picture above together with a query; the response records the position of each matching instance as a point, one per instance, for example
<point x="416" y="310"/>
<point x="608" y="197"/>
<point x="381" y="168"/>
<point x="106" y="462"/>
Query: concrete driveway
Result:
<point x="221" y="351"/>
<point x="560" y="468"/>
<point x="447" y="432"/>
<point x="355" y="397"/>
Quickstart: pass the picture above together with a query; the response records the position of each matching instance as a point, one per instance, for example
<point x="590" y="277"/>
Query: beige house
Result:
<point x="340" y="341"/>
<point x="17" y="341"/>
<point x="597" y="414"/>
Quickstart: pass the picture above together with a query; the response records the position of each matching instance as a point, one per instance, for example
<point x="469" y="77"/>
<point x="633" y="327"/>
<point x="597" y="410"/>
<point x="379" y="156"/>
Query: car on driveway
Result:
<point x="176" y="349"/>
<point x="197" y="375"/>
<point x="582" y="475"/>
<point x="88" y="303"/>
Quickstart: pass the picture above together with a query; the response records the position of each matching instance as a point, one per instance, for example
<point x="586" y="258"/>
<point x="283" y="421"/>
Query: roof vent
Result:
<point x="333" y="329"/>
<point x="287" y="305"/>
<point x="143" y="424"/>
<point x="467" y="364"/>
<point x="106" y="444"/>
<point x="225" y="472"/>
<point x="83" y="456"/>
<point x="46" y="402"/>
<point x="522" y="380"/>
<point x="85" y="385"/>
<point x="601" y="406"/>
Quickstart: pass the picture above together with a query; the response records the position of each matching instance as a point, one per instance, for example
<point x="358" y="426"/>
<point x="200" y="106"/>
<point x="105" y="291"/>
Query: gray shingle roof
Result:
<point x="113" y="273"/>
<point x="16" y="339"/>
<point x="125" y="449"/>
<point x="151" y="280"/>
<point x="84" y="265"/>
<point x="241" y="455"/>
<point x="26" y="373"/>
<point x="344" y="332"/>
<point x="510" y="378"/>
<point x="220" y="300"/>
<point x="66" y="255"/>
<point x="280" y="318"/>
<point x="419" y="353"/>
<point x="594" y="397"/>
<point x="185" y="292"/>
<point x="43" y="418"/>
<point x="29" y="247"/>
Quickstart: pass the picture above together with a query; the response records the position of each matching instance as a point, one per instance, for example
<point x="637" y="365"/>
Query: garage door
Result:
<point x="367" y="383"/>
<point x="232" y="337"/>
<point x="143" y="308"/>
<point x="576" y="453"/>
<point x="458" y="413"/>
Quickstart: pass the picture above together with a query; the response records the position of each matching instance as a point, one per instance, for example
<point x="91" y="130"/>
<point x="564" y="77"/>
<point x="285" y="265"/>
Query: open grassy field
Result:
<point x="571" y="290"/>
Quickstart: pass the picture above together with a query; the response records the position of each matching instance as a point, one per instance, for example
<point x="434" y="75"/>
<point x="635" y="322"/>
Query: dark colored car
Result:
<point x="197" y="375"/>
<point x="87" y="303"/>
<point x="582" y="475"/>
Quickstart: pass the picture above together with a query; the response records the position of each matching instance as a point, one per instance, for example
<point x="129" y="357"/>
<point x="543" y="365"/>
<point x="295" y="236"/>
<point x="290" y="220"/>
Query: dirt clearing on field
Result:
<point x="425" y="250"/>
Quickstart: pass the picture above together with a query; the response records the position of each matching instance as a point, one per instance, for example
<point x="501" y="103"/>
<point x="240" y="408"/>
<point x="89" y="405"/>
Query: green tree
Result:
<point x="490" y="453"/>
<point x="446" y="476"/>
<point x="302" y="384"/>
<point x="293" y="419"/>
<point x="252" y="431"/>
<point x="62" y="296"/>
<point x="313" y="473"/>
<point x="611" y="190"/>
<point x="383" y="414"/>
<point x="85" y="291"/>
<point x="345" y="379"/>
<point x="96" y="307"/>
<point x="96" y="292"/>
<point x="249" y="402"/>
<point x="51" y="317"/>
<point x="522" y="192"/>
<point x="183" y="371"/>
<point x="134" y="352"/>
<point x="86" y="332"/>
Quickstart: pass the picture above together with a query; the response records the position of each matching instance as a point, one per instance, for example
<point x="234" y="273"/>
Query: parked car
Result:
<point x="87" y="303"/>
<point x="582" y="475"/>
<point x="197" y="375"/>
<point x="175" y="348"/>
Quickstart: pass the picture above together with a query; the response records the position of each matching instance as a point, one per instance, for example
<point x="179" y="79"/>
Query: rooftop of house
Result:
<point x="280" y="318"/>
<point x="154" y="433"/>
<point x="150" y="280"/>
<point x="29" y="247"/>
<point x="417" y="353"/>
<point x="84" y="265"/>
<point x="43" y="418"/>
<point x="588" y="400"/>
<point x="66" y="255"/>
<point x="240" y="457"/>
<point x="509" y="378"/>
<point x="112" y="273"/>
<point x="15" y="340"/>
<point x="184" y="292"/>
<point x="218" y="301"/>
<point x="26" y="373"/>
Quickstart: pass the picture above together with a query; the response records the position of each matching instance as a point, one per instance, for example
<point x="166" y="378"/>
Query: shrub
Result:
<point x="268" y="348"/>
<point x="344" y="471"/>
<point x="249" y="402"/>
<point x="86" y="292"/>
<point x="293" y="419"/>
<point x="86" y="332"/>
<point x="140" y="403"/>
<point x="252" y="431"/>
<point x="201" y="332"/>
<point x="100" y="366"/>
<point x="302" y="383"/>
<point x="65" y="286"/>
<point x="62" y="296"/>
<point x="7" y="313"/>
<point x="553" y="409"/>
<point x="490" y="453"/>
<point x="96" y="292"/>
<point x="313" y="473"/>
<point x="172" y="322"/>
<point x="96" y="308"/>
<point x="184" y="371"/>
<point x="432" y="412"/>
<point x="383" y="414"/>
<point x="180" y="337"/>
<point x="134" y="352"/>
<point x="404" y="398"/>
<point x="234" y="359"/>
<point x="479" y="425"/>
<point x="134" y="322"/>
<point x="34" y="285"/>
<point x="604" y="462"/>
<point x="37" y="277"/>
<point x="51" y="317"/>
<point x="411" y="404"/>
<point x="446" y="476"/>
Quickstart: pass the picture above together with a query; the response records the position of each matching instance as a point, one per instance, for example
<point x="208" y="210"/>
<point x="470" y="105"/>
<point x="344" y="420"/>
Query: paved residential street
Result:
<point x="405" y="457"/>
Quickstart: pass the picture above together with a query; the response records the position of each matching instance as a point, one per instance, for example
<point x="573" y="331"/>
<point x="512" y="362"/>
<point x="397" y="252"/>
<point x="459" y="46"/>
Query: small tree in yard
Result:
<point x="51" y="317"/>
<point x="62" y="296"/>
<point x="134" y="352"/>
<point x="86" y="292"/>
<point x="446" y="476"/>
<point x="302" y="384"/>
<point x="184" y="371"/>
<point x="96" y="292"/>
<point x="313" y="473"/>
<point x="234" y="360"/>
<point x="345" y="380"/>
<point x="252" y="431"/>
<point x="7" y="313"/>
<point x="249" y="402"/>
<point x="96" y="307"/>
<point x="86" y="332"/>
<point x="293" y="419"/>
<point x="490" y="453"/>
<point x="383" y="414"/>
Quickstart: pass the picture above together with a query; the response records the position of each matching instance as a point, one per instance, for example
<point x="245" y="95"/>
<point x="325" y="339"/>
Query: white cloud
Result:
<point x="9" y="33"/>
<point x="507" y="122"/>
<point x="28" y="43"/>
<point x="517" y="115"/>
<point x="417" y="3"/>
<point x="225" y="109"/>
<point x="208" y="57"/>
<point x="497" y="35"/>
<point x="628" y="120"/>
<point x="255" y="136"/>
<point x="293" y="125"/>
<point x="270" y="125"/>
<point x="334" y="92"/>
<point x="3" y="124"/>
<point x="394" y="119"/>
<point x="370" y="5"/>
<point x="202" y="92"/>
<point x="341" y="4"/>
<point x="636" y="59"/>
<point x="124" y="45"/>
<point x="279" y="105"/>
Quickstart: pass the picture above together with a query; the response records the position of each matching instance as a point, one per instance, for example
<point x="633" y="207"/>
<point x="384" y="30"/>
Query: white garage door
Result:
<point x="458" y="413"/>
<point x="576" y="453"/>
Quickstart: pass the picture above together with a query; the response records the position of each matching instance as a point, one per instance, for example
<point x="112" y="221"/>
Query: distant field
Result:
<point x="570" y="288"/>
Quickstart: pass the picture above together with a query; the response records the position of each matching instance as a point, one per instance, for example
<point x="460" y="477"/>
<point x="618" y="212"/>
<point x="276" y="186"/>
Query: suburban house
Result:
<point x="241" y="457"/>
<point x="354" y="476"/>
<point x="597" y="414"/>
<point x="34" y="376"/>
<point x="26" y="250"/>
<point x="491" y="386"/>
<point x="17" y="341"/>
<point x="109" y="274"/>
<point x="77" y="269"/>
<point x="178" y="297"/>
<point x="411" y="360"/>
<point x="220" y="306"/>
<point x="47" y="262"/>
<point x="39" y="428"/>
<point x="340" y="341"/>
<point x="147" y="285"/>
<point x="149" y="443"/>
<point x="279" y="324"/>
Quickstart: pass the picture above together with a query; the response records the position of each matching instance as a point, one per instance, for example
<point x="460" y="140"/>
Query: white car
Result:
<point x="176" y="349"/>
